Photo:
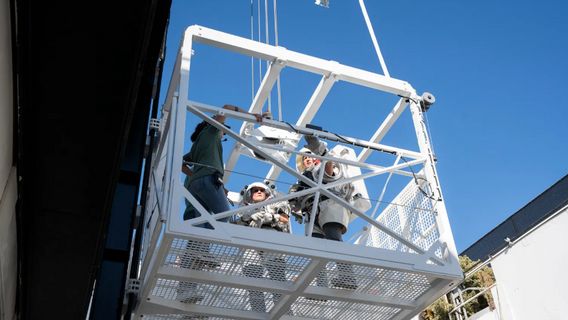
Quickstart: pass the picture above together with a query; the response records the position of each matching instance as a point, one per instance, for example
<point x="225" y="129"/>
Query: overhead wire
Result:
<point x="259" y="37"/>
<point x="267" y="39"/>
<point x="374" y="38"/>
<point x="429" y="133"/>
<point x="252" y="58"/>
<point x="276" y="44"/>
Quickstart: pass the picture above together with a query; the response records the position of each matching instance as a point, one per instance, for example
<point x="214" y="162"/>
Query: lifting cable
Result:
<point x="267" y="41"/>
<point x="277" y="79"/>
<point x="266" y="37"/>
<point x="374" y="38"/>
<point x="429" y="133"/>
<point x="251" y="58"/>
<point x="259" y="60"/>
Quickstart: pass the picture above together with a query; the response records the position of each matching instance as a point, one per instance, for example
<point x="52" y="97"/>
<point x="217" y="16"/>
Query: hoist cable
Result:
<point x="259" y="37"/>
<point x="429" y="133"/>
<point x="276" y="44"/>
<point x="374" y="38"/>
<point x="251" y="58"/>
<point x="266" y="37"/>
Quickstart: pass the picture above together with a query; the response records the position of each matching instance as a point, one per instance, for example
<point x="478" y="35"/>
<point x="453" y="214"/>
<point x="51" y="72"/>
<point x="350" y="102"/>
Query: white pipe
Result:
<point x="374" y="38"/>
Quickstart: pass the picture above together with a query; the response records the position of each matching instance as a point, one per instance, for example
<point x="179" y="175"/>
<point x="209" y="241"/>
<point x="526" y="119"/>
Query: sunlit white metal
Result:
<point x="309" y="112"/>
<point x="256" y="106"/>
<point x="404" y="261"/>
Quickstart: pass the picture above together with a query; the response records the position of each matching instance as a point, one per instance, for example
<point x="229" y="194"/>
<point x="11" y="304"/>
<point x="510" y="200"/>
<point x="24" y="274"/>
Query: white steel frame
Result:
<point x="438" y="264"/>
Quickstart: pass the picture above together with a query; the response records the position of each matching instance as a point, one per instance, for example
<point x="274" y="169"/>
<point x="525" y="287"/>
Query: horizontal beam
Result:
<point x="373" y="167"/>
<point x="298" y="61"/>
<point x="314" y="248"/>
<point x="156" y="305"/>
<point x="357" y="297"/>
<point x="303" y="130"/>
<point x="216" y="278"/>
<point x="312" y="107"/>
<point x="256" y="107"/>
<point x="293" y="195"/>
<point x="311" y="183"/>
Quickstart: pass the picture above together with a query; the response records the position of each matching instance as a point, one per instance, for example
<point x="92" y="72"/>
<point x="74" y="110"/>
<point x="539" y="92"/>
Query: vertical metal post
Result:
<point x="442" y="220"/>
<point x="178" y="132"/>
<point x="167" y="187"/>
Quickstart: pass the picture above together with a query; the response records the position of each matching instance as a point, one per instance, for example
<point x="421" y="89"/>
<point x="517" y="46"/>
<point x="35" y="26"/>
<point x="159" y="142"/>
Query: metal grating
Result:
<point x="333" y="309"/>
<point x="212" y="295"/>
<point x="373" y="281"/>
<point x="232" y="273"/>
<point x="182" y="317"/>
<point x="412" y="214"/>
<point x="234" y="261"/>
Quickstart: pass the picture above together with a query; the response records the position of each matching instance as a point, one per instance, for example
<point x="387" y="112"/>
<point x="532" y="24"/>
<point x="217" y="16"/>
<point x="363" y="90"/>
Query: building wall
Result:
<point x="6" y="95"/>
<point x="8" y="249"/>
<point x="530" y="275"/>
<point x="8" y="190"/>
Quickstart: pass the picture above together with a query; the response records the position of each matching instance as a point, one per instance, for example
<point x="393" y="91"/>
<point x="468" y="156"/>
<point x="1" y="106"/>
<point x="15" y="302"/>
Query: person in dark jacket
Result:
<point x="204" y="169"/>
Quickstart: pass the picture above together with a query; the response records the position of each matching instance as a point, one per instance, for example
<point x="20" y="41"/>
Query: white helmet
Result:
<point x="247" y="194"/>
<point x="300" y="167"/>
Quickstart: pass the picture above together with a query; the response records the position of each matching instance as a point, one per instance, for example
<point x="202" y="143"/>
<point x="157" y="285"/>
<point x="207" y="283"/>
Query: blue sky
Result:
<point x="497" y="68"/>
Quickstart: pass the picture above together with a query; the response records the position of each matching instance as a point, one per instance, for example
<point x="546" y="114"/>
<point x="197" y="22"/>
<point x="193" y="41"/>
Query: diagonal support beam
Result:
<point x="384" y="128"/>
<point x="201" y="107"/>
<point x="301" y="193"/>
<point x="302" y="283"/>
<point x="311" y="183"/>
<point x="315" y="102"/>
<point x="262" y="94"/>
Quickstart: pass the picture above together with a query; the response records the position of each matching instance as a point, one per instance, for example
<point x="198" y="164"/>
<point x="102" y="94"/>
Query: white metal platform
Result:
<point x="402" y="261"/>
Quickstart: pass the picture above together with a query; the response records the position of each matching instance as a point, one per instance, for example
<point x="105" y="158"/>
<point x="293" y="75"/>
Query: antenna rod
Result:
<point x="373" y="38"/>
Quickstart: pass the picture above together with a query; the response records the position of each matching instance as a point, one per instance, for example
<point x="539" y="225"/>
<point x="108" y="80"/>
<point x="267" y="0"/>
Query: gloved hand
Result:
<point x="260" y="218"/>
<point x="315" y="145"/>
<point x="279" y="207"/>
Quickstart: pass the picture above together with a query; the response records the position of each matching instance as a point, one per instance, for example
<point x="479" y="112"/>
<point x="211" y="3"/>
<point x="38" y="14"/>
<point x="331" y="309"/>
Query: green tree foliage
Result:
<point x="483" y="278"/>
<point x="438" y="310"/>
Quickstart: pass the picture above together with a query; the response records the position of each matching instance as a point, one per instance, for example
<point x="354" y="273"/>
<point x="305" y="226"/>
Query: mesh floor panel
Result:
<point x="333" y="309"/>
<point x="182" y="317"/>
<point x="372" y="281"/>
<point x="412" y="215"/>
<point x="211" y="295"/>
<point x="234" y="261"/>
